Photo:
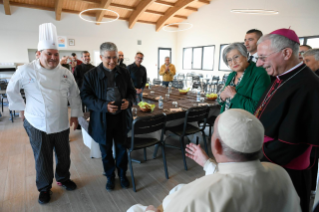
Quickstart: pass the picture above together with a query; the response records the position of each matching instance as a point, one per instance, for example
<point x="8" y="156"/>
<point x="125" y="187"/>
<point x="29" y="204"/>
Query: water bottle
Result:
<point x="198" y="97"/>
<point x="160" y="103"/>
<point x="169" y="87"/>
<point x="149" y="86"/>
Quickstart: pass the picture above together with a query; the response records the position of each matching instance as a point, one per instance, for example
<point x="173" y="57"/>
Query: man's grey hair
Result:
<point x="107" y="47"/>
<point x="239" y="46"/>
<point x="312" y="52"/>
<point x="236" y="155"/>
<point x="167" y="57"/>
<point x="279" y="42"/>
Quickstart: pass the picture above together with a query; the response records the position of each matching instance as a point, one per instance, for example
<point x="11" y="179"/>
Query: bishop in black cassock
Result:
<point x="289" y="110"/>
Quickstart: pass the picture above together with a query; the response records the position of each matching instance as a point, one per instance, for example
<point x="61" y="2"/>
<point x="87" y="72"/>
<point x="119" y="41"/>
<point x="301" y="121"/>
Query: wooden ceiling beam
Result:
<point x="90" y="1"/>
<point x="6" y="5"/>
<point x="169" y="4"/>
<point x="179" y="5"/>
<point x="162" y="14"/>
<point x="104" y="5"/>
<point x="140" y="9"/>
<point x="58" y="9"/>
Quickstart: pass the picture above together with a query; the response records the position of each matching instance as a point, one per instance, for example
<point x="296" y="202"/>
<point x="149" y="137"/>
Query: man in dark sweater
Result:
<point x="81" y="69"/>
<point x="139" y="75"/>
<point x="121" y="59"/>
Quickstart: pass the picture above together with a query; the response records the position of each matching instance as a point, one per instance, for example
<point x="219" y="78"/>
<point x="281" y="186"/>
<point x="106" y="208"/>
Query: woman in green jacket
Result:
<point x="246" y="84"/>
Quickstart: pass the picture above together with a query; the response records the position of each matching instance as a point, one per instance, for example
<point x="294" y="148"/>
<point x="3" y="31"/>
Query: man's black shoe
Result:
<point x="44" y="197"/>
<point x="124" y="182"/>
<point x="110" y="185"/>
<point x="68" y="185"/>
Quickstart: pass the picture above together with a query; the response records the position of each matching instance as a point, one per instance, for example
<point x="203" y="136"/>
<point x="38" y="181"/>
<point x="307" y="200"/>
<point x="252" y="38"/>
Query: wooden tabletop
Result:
<point x="184" y="102"/>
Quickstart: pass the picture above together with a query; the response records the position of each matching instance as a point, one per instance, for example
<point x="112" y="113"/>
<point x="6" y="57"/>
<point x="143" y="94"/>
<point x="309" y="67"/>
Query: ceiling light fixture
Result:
<point x="165" y="27"/>
<point x="255" y="11"/>
<point x="80" y="15"/>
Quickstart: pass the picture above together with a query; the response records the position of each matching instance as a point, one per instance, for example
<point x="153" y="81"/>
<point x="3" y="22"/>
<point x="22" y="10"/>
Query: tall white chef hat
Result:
<point x="241" y="131"/>
<point x="48" y="38"/>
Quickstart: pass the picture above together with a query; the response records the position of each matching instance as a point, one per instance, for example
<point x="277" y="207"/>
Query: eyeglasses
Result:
<point x="263" y="58"/>
<point x="235" y="58"/>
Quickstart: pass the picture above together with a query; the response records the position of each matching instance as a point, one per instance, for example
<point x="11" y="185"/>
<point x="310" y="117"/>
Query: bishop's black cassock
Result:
<point x="289" y="111"/>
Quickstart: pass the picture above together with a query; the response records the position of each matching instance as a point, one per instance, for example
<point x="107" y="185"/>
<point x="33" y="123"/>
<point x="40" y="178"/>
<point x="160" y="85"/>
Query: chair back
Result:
<point x="149" y="124"/>
<point x="156" y="82"/>
<point x="178" y="84"/>
<point x="225" y="78"/>
<point x="3" y="86"/>
<point x="195" y="78"/>
<point x="196" y="114"/>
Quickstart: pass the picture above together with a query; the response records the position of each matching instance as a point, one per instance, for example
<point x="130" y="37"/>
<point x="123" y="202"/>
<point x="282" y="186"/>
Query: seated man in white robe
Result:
<point x="237" y="180"/>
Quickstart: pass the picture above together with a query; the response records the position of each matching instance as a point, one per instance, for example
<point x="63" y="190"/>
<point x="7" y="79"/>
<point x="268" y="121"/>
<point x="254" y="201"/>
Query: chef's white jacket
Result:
<point x="47" y="93"/>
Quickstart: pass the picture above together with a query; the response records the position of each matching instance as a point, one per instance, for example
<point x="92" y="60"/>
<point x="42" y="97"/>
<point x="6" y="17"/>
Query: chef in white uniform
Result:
<point x="237" y="181"/>
<point x="48" y="87"/>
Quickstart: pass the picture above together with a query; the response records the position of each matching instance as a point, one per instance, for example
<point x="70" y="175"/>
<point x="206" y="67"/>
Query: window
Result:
<point x="199" y="58"/>
<point x="187" y="58"/>
<point x="208" y="57"/>
<point x="312" y="41"/>
<point x="222" y="66"/>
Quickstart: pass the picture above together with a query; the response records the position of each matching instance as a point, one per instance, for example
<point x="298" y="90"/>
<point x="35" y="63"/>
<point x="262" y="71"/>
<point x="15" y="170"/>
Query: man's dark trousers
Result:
<point x="114" y="131"/>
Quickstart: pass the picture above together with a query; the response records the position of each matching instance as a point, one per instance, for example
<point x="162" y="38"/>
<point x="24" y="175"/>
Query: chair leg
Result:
<point x="164" y="161"/>
<point x="183" y="152"/>
<point x="155" y="151"/>
<point x="131" y="170"/>
<point x="205" y="143"/>
<point x="145" y="155"/>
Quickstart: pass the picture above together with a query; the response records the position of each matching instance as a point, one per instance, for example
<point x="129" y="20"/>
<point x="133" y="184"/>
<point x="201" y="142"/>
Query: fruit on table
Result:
<point x="212" y="96"/>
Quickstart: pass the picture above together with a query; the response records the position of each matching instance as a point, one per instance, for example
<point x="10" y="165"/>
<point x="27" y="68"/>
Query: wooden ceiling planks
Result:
<point x="159" y="12"/>
<point x="149" y="17"/>
<point x="140" y="9"/>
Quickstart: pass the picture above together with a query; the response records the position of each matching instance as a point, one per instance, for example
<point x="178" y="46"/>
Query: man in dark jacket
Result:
<point x="81" y="69"/>
<point x="138" y="74"/>
<point x="109" y="119"/>
<point x="121" y="60"/>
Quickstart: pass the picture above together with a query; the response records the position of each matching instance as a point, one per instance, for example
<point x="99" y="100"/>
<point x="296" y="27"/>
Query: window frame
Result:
<point x="202" y="57"/>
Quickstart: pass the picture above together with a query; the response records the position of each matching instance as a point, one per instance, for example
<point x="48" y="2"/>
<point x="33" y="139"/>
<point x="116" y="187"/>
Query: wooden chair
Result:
<point x="143" y="125"/>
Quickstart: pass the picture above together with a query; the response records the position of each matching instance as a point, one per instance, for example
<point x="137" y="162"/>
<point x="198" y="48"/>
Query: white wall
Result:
<point x="214" y="24"/>
<point x="19" y="32"/>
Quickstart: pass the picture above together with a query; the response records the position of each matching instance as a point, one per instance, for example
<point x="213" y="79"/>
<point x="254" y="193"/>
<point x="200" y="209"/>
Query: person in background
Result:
<point x="167" y="71"/>
<point x="74" y="62"/>
<point x="302" y="50"/>
<point x="289" y="109"/>
<point x="64" y="62"/>
<point x="83" y="68"/>
<point x="48" y="87"/>
<point x="235" y="180"/>
<point x="121" y="59"/>
<point x="108" y="120"/>
<point x="311" y="59"/>
<point x="139" y="75"/>
<point x="251" y="38"/>
<point x="246" y="84"/>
